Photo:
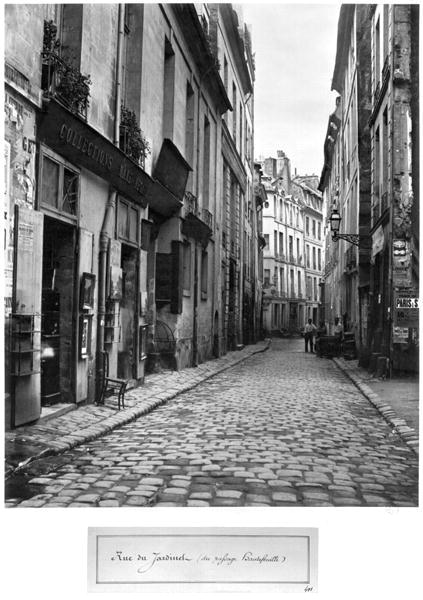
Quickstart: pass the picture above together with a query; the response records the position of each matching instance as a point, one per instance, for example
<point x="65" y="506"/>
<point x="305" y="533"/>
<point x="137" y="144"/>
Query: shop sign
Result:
<point x="82" y="145"/>
<point x="400" y="335"/>
<point x="401" y="263"/>
<point x="377" y="241"/>
<point x="406" y="309"/>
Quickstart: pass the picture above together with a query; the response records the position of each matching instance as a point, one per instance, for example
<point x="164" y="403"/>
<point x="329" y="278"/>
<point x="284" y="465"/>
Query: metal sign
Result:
<point x="406" y="309"/>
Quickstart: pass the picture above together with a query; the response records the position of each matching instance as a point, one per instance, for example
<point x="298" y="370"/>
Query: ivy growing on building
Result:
<point x="132" y="140"/>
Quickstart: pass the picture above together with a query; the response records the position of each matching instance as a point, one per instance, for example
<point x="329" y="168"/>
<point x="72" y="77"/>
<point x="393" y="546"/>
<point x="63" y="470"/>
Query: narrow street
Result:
<point x="282" y="428"/>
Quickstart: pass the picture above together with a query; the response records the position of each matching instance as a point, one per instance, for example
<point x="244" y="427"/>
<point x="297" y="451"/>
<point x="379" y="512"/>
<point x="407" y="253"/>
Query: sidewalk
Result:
<point x="56" y="434"/>
<point x="397" y="399"/>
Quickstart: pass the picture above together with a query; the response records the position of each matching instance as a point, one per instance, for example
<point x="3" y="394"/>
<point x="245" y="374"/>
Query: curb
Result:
<point x="96" y="430"/>
<point x="398" y="425"/>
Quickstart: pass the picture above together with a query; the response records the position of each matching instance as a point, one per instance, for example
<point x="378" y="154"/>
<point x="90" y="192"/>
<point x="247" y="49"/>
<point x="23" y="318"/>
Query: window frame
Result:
<point x="63" y="164"/>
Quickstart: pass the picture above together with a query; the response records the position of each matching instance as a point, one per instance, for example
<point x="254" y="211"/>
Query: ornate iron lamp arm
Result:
<point x="352" y="238"/>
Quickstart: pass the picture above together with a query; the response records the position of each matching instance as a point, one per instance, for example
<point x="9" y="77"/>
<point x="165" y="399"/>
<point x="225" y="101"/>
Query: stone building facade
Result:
<point x="114" y="156"/>
<point x="370" y="176"/>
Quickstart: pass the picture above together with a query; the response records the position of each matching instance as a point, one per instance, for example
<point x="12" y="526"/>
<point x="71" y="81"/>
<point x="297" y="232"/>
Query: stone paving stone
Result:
<point x="256" y="498"/>
<point x="90" y="498"/>
<point x="284" y="497"/>
<point x="109" y="503"/>
<point x="373" y="499"/>
<point x="78" y="486"/>
<point x="136" y="501"/>
<point x="345" y="501"/>
<point x="228" y="494"/>
<point x="200" y="496"/>
<point x="40" y="481"/>
<point x="32" y="503"/>
<point x="225" y="502"/>
<point x="320" y="496"/>
<point x="152" y="481"/>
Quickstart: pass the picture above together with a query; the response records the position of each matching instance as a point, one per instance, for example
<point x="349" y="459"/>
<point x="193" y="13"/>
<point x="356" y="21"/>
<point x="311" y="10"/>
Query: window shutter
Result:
<point x="176" y="281"/>
<point x="163" y="277"/>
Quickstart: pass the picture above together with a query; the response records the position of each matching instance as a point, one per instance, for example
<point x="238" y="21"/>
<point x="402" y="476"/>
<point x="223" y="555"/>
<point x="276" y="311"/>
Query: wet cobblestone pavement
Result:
<point x="282" y="428"/>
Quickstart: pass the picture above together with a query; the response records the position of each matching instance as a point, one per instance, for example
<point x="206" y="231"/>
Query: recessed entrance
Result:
<point x="128" y="305"/>
<point x="57" y="307"/>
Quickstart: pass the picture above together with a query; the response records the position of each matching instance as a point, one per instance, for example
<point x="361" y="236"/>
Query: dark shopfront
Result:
<point x="88" y="191"/>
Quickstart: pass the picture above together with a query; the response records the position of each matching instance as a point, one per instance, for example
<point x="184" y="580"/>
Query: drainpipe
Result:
<point x="108" y="219"/>
<point x="197" y="187"/>
<point x="118" y="86"/>
<point x="102" y="266"/>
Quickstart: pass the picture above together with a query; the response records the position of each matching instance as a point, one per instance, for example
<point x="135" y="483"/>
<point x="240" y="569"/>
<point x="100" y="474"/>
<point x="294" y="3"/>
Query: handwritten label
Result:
<point x="274" y="559"/>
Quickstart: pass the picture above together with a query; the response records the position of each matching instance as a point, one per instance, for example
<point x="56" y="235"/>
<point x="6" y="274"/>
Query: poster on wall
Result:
<point x="406" y="308"/>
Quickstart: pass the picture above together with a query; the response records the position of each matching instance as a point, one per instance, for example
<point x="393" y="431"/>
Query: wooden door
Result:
<point x="26" y="318"/>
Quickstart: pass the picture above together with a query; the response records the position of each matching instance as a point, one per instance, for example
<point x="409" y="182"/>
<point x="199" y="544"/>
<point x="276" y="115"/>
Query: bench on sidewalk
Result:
<point x="111" y="385"/>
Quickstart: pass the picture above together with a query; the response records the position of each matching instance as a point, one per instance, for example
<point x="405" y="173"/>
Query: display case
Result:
<point x="26" y="349"/>
<point x="112" y="327"/>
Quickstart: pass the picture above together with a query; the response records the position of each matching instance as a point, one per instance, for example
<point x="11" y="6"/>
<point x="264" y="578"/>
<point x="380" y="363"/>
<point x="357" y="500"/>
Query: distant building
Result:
<point x="305" y="189"/>
<point x="293" y="258"/>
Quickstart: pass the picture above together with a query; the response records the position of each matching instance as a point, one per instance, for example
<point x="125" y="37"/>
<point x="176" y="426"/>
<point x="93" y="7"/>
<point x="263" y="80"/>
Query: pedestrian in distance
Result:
<point x="309" y="332"/>
<point x="321" y="331"/>
<point x="339" y="334"/>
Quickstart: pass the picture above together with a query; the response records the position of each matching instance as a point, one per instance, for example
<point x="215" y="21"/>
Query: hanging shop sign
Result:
<point x="401" y="263"/>
<point x="406" y="308"/>
<point x="377" y="241"/>
<point x="82" y="145"/>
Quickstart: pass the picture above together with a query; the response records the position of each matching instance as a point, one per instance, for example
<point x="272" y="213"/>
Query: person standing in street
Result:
<point x="339" y="333"/>
<point x="309" y="332"/>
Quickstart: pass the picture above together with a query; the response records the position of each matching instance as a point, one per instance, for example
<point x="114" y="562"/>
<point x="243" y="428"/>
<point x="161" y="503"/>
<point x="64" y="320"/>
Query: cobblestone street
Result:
<point x="282" y="428"/>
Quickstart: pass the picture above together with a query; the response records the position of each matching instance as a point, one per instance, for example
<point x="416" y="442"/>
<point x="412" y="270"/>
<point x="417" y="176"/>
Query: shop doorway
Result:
<point x="57" y="310"/>
<point x="128" y="314"/>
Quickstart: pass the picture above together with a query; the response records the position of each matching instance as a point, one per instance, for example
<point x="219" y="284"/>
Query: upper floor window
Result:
<point x="127" y="224"/>
<point x="59" y="185"/>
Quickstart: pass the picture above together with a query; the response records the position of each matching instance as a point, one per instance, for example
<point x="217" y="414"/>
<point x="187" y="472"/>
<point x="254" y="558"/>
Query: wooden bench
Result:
<point x="112" y="385"/>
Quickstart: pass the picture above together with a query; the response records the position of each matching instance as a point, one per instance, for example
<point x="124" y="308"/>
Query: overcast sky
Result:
<point x="295" y="46"/>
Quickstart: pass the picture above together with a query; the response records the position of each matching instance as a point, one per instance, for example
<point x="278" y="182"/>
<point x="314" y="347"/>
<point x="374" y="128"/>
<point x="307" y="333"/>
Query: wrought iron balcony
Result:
<point x="190" y="203"/>
<point x="198" y="223"/>
<point x="207" y="217"/>
<point x="64" y="82"/>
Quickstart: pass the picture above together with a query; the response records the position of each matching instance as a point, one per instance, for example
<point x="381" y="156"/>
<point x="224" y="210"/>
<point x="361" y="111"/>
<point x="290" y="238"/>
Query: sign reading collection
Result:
<point x="82" y="145"/>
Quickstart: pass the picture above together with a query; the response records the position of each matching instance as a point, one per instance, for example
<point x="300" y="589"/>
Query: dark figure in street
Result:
<point x="321" y="331"/>
<point x="339" y="333"/>
<point x="309" y="331"/>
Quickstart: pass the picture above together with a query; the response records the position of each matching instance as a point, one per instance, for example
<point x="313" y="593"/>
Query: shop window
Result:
<point x="59" y="187"/>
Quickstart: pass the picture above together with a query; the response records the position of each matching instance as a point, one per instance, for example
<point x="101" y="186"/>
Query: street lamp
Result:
<point x="335" y="222"/>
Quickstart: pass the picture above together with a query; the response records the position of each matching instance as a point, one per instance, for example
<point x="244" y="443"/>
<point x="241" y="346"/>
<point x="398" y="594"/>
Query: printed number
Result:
<point x="308" y="588"/>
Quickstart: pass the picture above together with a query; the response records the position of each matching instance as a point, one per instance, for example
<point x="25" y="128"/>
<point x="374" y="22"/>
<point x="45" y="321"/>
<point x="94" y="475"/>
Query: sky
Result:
<point x="295" y="48"/>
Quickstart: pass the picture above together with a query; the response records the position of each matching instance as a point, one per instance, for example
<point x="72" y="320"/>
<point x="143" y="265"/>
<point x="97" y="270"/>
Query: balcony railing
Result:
<point x="207" y="217"/>
<point x="190" y="203"/>
<point x="191" y="207"/>
<point x="63" y="81"/>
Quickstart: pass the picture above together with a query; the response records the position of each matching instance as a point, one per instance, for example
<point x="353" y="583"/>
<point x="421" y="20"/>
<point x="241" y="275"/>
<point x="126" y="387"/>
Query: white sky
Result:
<point x="295" y="46"/>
